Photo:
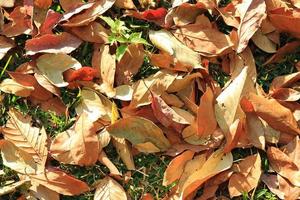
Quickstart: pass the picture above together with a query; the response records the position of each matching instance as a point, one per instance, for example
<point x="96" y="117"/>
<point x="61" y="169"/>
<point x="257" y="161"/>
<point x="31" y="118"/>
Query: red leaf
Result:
<point x="155" y="14"/>
<point x="51" y="43"/>
<point x="82" y="74"/>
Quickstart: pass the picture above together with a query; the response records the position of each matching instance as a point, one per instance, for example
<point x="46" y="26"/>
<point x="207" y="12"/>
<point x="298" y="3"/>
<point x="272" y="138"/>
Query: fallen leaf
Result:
<point x="247" y="176"/>
<point x="105" y="161"/>
<point x="255" y="130"/>
<point x="139" y="130"/>
<point x="60" y="182"/>
<point x="7" y="3"/>
<point x="20" y="23"/>
<point x="215" y="164"/>
<point x="78" y="145"/>
<point x="94" y="32"/>
<point x="6" y="45"/>
<point x="284" y="81"/>
<point x="108" y="188"/>
<point x="12" y="187"/>
<point x="32" y="140"/>
<point x="154" y="14"/>
<point x="83" y="74"/>
<point x="94" y="105"/>
<point x="272" y="183"/>
<point x="281" y="118"/>
<point x="284" y="165"/>
<point x="286" y="94"/>
<point x="263" y="42"/>
<point x="176" y="166"/>
<point x="43" y="193"/>
<point x="166" y="115"/>
<point x="17" y="159"/>
<point x="51" y="43"/>
<point x="53" y="65"/>
<point x="236" y="131"/>
<point x="12" y="87"/>
<point x="165" y="41"/>
<point x="129" y="64"/>
<point x="206" y="120"/>
<point x="286" y="20"/>
<point x="227" y="103"/>
<point x="251" y="14"/>
<point x="127" y="4"/>
<point x="90" y="14"/>
<point x="42" y="3"/>
<point x="45" y="83"/>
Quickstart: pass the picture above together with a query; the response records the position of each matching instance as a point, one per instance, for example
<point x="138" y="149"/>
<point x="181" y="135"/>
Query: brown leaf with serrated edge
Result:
<point x="108" y="188"/>
<point x="17" y="159"/>
<point x="251" y="14"/>
<point x="90" y="14"/>
<point x="206" y="120"/>
<point x="32" y="140"/>
<point x="286" y="20"/>
<point x="281" y="118"/>
<point x="246" y="177"/>
<point x="283" y="165"/>
<point x="176" y="166"/>
<point x="51" y="43"/>
<point x="78" y="145"/>
<point x="59" y="181"/>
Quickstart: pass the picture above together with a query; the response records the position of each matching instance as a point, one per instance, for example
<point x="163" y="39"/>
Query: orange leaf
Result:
<point x="60" y="182"/>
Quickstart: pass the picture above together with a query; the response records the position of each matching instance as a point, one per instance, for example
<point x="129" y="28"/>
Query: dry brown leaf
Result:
<point x="60" y="182"/>
<point x="251" y="14"/>
<point x="129" y="64"/>
<point x="176" y="166"/>
<point x="293" y="150"/>
<point x="206" y="120"/>
<point x="206" y="41"/>
<point x="236" y="131"/>
<point x="286" y="94"/>
<point x="139" y="130"/>
<point x="32" y="140"/>
<point x="105" y="161"/>
<point x="12" y="87"/>
<point x="77" y="146"/>
<point x="284" y="81"/>
<point x="53" y="65"/>
<point x="284" y="165"/>
<point x="17" y="159"/>
<point x="94" y="32"/>
<point x="90" y="14"/>
<point x="45" y="83"/>
<point x="20" y="23"/>
<point x="166" y="41"/>
<point x="43" y="193"/>
<point x="247" y="176"/>
<point x="255" y="131"/>
<point x="51" y="43"/>
<point x="227" y="108"/>
<point x="127" y="4"/>
<point x="11" y="188"/>
<point x="172" y="100"/>
<point x="157" y="83"/>
<point x="263" y="42"/>
<point x="109" y="189"/>
<point x="286" y="20"/>
<point x="94" y="106"/>
<point x="182" y="81"/>
<point x="281" y="118"/>
<point x="6" y="44"/>
<point x="166" y="115"/>
<point x="215" y="164"/>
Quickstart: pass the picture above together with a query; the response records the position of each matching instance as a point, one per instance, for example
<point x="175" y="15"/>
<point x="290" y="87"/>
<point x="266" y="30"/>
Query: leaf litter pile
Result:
<point x="145" y="99"/>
